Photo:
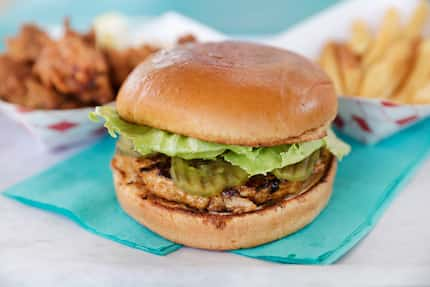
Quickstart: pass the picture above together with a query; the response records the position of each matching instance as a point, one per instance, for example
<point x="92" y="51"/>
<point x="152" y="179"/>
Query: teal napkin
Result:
<point x="367" y="180"/>
<point x="80" y="188"/>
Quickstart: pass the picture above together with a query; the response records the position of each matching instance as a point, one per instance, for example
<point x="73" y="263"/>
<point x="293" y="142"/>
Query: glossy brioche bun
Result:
<point x="230" y="92"/>
<point x="225" y="231"/>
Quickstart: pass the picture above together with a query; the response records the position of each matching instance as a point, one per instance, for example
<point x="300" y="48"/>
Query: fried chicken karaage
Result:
<point x="40" y="72"/>
<point x="27" y="45"/>
<point x="12" y="76"/>
<point x="72" y="66"/>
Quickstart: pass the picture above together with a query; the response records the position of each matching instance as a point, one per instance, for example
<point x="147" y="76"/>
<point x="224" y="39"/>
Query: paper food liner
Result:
<point x="372" y="120"/>
<point x="63" y="128"/>
<point x="367" y="120"/>
<point x="55" y="128"/>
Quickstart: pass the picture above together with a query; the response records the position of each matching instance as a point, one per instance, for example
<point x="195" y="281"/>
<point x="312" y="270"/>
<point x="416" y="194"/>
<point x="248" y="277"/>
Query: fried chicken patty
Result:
<point x="150" y="177"/>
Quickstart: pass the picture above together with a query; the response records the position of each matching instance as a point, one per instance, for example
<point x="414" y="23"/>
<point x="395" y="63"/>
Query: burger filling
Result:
<point x="192" y="174"/>
<point x="155" y="177"/>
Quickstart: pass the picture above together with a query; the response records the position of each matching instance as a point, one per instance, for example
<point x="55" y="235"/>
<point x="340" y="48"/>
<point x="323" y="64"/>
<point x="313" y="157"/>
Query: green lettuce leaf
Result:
<point x="266" y="159"/>
<point x="254" y="161"/>
<point x="335" y="145"/>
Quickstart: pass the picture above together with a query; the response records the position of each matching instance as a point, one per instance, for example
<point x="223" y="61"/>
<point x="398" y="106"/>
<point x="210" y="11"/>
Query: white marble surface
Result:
<point x="38" y="248"/>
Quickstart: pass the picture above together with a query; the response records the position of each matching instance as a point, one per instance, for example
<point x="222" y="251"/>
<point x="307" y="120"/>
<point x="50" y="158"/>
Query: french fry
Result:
<point x="361" y="37"/>
<point x="419" y="76"/>
<point x="394" y="64"/>
<point x="349" y="69"/>
<point x="417" y="21"/>
<point x="422" y="95"/>
<point x="383" y="77"/>
<point x="389" y="31"/>
<point x="328" y="61"/>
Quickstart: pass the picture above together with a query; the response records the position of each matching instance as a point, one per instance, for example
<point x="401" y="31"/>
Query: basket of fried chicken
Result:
<point x="50" y="79"/>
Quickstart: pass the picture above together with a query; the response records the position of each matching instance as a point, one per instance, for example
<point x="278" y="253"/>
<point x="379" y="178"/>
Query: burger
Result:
<point x="224" y="145"/>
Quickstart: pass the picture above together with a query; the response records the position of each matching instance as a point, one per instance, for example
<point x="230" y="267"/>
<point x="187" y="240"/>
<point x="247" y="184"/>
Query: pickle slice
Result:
<point x="125" y="146"/>
<point x="299" y="171"/>
<point x="205" y="177"/>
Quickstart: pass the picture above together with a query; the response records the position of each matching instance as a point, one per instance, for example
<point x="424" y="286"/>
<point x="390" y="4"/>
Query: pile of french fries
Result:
<point x="392" y="64"/>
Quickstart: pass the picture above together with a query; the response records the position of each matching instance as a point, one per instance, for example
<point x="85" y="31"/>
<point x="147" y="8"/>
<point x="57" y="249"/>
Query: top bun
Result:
<point x="231" y="93"/>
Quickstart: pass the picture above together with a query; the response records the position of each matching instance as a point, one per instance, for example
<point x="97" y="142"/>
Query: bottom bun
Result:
<point x="226" y="231"/>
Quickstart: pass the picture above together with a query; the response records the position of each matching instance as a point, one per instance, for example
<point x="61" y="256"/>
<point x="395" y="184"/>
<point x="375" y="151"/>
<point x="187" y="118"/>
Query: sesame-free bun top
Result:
<point x="230" y="92"/>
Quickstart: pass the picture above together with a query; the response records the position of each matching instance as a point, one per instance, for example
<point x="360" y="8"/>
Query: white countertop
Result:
<point x="38" y="248"/>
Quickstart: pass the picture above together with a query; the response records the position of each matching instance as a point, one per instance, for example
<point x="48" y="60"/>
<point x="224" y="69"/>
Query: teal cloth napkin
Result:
<point x="367" y="180"/>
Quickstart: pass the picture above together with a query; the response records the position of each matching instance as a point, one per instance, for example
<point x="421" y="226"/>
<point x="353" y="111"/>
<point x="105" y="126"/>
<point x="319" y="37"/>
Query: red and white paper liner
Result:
<point x="55" y="128"/>
<point x="371" y="120"/>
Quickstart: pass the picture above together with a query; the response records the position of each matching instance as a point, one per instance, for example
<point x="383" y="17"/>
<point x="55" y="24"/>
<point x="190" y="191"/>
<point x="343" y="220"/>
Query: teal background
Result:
<point x="228" y="16"/>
